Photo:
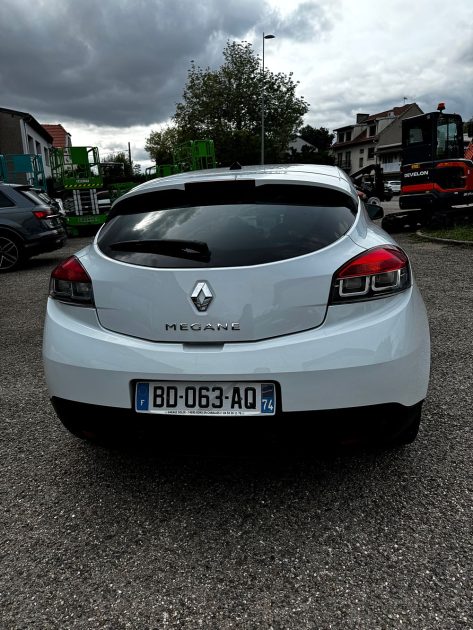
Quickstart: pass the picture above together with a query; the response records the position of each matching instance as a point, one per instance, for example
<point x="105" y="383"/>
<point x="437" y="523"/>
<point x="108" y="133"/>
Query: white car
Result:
<point x="256" y="295"/>
<point x="395" y="186"/>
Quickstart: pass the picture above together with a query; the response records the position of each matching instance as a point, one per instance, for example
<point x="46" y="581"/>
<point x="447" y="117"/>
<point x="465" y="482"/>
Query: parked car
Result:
<point x="395" y="186"/>
<point x="236" y="295"/>
<point x="30" y="224"/>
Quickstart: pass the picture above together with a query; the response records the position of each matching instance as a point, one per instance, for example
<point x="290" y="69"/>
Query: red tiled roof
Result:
<point x="362" y="137"/>
<point x="58" y="134"/>
<point x="397" y="111"/>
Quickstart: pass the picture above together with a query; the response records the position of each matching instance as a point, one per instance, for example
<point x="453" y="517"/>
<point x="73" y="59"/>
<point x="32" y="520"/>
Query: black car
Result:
<point x="30" y="224"/>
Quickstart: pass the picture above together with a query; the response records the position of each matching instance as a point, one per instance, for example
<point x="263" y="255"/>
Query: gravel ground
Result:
<point x="117" y="539"/>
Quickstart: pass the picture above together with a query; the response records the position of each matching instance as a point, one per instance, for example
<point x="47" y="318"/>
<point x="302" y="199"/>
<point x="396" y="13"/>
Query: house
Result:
<point x="298" y="143"/>
<point x="21" y="134"/>
<point x="373" y="139"/>
<point x="61" y="138"/>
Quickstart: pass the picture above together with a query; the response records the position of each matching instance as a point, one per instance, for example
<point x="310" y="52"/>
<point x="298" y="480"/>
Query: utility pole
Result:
<point x="262" y="99"/>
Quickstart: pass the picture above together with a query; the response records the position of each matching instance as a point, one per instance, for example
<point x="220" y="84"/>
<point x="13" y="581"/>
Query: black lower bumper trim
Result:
<point x="350" y="425"/>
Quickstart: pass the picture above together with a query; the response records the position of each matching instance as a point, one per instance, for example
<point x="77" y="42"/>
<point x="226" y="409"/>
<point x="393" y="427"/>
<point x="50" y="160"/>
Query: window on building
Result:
<point x="348" y="136"/>
<point x="347" y="158"/>
<point x="341" y="136"/>
<point x="360" y="163"/>
<point x="339" y="159"/>
<point x="46" y="156"/>
<point x="372" y="130"/>
<point x="38" y="148"/>
<point x="362" y="151"/>
<point x="371" y="153"/>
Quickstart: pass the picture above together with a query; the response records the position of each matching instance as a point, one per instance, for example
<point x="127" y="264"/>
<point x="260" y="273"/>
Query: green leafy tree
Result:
<point x="225" y="105"/>
<point x="318" y="153"/>
<point x="161" y="144"/>
<point x="320" y="138"/>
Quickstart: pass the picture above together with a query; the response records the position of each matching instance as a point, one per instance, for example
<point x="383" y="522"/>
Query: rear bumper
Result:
<point x="350" y="425"/>
<point x="48" y="242"/>
<point x="364" y="354"/>
<point x="435" y="200"/>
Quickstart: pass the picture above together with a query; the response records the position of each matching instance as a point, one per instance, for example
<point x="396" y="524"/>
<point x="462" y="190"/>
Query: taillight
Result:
<point x="70" y="282"/>
<point x="373" y="274"/>
<point x="42" y="214"/>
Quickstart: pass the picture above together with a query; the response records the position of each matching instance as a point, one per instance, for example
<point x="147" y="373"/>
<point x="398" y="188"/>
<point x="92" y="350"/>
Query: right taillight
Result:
<point x="71" y="283"/>
<point x="376" y="273"/>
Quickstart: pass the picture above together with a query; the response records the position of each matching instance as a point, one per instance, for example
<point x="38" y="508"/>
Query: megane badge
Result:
<point x="201" y="296"/>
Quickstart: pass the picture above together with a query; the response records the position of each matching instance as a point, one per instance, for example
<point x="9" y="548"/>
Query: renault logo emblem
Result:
<point x="201" y="296"/>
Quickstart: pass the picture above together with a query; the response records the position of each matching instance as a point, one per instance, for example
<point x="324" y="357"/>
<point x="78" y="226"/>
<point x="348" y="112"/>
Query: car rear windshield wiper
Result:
<point x="195" y="250"/>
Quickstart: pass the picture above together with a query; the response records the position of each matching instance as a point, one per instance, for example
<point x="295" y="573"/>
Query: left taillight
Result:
<point x="376" y="273"/>
<point x="42" y="214"/>
<point x="71" y="283"/>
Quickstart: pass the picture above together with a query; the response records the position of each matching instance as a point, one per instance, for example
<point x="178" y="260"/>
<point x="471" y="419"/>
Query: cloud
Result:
<point x="115" y="62"/>
<point x="307" y="21"/>
<point x="110" y="71"/>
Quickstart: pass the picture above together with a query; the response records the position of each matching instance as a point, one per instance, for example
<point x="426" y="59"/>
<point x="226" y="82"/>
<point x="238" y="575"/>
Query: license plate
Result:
<point x="198" y="398"/>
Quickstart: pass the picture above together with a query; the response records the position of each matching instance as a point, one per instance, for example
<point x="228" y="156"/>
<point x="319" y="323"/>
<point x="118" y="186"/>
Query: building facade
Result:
<point x="373" y="139"/>
<point x="22" y="134"/>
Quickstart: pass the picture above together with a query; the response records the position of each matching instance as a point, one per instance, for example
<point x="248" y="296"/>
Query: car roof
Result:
<point x="301" y="174"/>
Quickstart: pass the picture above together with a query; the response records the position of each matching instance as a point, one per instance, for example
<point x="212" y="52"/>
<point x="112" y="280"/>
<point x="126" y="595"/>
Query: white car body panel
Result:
<point x="364" y="354"/>
<point x="266" y="301"/>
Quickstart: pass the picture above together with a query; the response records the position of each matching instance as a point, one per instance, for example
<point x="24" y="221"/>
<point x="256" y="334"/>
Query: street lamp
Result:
<point x="262" y="99"/>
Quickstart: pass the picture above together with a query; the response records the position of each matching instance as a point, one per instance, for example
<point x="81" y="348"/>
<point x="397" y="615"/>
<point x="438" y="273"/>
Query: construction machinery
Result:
<point x="77" y="174"/>
<point x="193" y="155"/>
<point x="23" y="169"/>
<point x="77" y="177"/>
<point x="436" y="174"/>
<point x="369" y="180"/>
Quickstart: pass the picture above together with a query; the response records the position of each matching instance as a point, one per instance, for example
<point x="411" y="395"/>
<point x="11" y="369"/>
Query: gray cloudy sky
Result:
<point x="110" y="71"/>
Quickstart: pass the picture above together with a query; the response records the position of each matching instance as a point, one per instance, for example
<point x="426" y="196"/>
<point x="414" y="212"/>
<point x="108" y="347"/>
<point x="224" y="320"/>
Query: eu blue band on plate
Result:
<point x="142" y="397"/>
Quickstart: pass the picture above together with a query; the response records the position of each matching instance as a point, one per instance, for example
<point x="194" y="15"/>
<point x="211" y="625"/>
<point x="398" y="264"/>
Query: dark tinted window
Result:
<point x="35" y="196"/>
<point x="5" y="202"/>
<point x="225" y="225"/>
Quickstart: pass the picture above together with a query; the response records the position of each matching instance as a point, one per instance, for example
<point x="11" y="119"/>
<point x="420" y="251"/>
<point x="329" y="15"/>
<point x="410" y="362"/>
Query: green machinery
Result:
<point x="163" y="170"/>
<point x="117" y="190"/>
<point x="23" y="169"/>
<point x="193" y="155"/>
<point x="77" y="176"/>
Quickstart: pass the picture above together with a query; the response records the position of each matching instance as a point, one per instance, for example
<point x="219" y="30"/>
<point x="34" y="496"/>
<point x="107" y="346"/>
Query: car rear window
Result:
<point x="228" y="224"/>
<point x="37" y="197"/>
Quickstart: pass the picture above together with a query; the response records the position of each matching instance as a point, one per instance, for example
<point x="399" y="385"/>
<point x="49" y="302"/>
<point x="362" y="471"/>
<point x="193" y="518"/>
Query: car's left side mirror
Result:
<point x="374" y="211"/>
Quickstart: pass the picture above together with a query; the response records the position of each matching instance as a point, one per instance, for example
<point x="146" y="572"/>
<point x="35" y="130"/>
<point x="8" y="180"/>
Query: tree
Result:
<point x="117" y="164"/>
<point x="225" y="105"/>
<point x="318" y="153"/>
<point x="320" y="138"/>
<point x="161" y="144"/>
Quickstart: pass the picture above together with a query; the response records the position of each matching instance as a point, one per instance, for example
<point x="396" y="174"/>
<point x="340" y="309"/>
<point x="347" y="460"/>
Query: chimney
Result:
<point x="361" y="117"/>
